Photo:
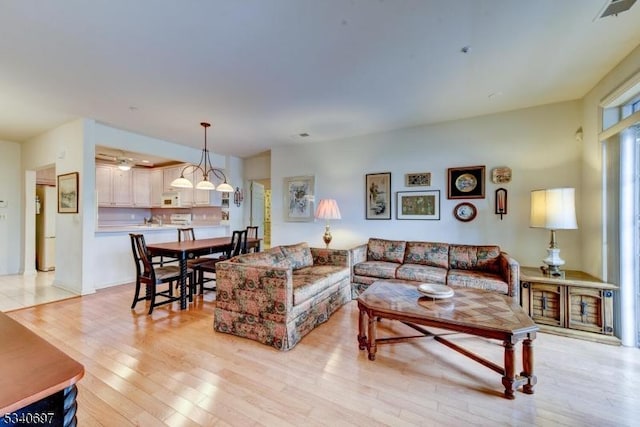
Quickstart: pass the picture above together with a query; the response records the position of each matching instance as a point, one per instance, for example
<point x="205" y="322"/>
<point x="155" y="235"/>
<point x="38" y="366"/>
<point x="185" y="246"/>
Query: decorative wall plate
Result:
<point x="466" y="182"/>
<point x="465" y="212"/>
<point x="501" y="175"/>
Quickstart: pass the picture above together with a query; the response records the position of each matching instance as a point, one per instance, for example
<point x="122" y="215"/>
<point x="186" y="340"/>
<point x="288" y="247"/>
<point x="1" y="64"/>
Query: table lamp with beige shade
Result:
<point x="327" y="209"/>
<point x="553" y="209"/>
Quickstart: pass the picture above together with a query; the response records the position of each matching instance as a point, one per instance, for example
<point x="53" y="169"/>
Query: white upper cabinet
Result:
<point x="142" y="188"/>
<point x="113" y="186"/>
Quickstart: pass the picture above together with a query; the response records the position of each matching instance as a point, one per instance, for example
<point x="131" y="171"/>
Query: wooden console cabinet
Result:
<point x="577" y="305"/>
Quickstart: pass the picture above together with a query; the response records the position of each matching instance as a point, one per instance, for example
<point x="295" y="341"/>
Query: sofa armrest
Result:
<point x="358" y="254"/>
<point x="335" y="257"/>
<point x="510" y="272"/>
<point x="262" y="291"/>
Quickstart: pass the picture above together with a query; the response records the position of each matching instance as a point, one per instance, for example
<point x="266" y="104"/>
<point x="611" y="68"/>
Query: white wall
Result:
<point x="538" y="144"/>
<point x="63" y="146"/>
<point x="11" y="191"/>
<point x="592" y="161"/>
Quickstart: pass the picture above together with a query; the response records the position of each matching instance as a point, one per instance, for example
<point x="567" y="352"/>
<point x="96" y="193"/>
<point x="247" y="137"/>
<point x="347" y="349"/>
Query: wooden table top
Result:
<point x="30" y="367"/>
<point x="194" y="245"/>
<point x="571" y="277"/>
<point x="472" y="308"/>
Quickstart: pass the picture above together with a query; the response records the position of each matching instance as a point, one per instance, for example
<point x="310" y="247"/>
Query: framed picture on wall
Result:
<point x="466" y="182"/>
<point x="418" y="204"/>
<point x="378" y="199"/>
<point x="299" y="198"/>
<point x="68" y="193"/>
<point x="422" y="179"/>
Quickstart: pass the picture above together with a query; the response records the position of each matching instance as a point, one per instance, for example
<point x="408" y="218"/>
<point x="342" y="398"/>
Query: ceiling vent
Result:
<point x="614" y="7"/>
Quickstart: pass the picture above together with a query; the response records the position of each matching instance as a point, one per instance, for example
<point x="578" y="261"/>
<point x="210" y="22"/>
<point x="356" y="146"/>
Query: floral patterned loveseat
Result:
<point x="485" y="267"/>
<point x="279" y="295"/>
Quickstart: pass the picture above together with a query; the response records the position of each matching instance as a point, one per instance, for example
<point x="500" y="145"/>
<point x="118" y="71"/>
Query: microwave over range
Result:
<point x="170" y="200"/>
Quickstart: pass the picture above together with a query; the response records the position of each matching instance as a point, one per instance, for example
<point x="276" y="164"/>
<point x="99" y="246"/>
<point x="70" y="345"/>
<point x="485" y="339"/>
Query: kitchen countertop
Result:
<point x="150" y="227"/>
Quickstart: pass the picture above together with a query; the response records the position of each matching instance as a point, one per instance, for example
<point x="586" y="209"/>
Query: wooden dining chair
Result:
<point x="152" y="275"/>
<point x="186" y="234"/>
<point x="238" y="246"/>
<point x="252" y="233"/>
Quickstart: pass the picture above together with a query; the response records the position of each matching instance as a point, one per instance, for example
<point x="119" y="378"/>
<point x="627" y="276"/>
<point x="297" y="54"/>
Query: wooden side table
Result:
<point x="577" y="305"/>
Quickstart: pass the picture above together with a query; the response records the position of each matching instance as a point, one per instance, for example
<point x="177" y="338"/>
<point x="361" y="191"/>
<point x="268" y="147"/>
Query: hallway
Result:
<point x="20" y="291"/>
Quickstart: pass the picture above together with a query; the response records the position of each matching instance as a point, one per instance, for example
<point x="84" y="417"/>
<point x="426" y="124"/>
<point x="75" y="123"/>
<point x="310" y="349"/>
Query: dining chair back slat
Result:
<point x="151" y="276"/>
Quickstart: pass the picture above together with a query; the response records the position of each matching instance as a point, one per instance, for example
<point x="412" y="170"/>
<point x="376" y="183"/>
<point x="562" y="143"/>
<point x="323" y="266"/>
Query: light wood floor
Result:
<point x="172" y="368"/>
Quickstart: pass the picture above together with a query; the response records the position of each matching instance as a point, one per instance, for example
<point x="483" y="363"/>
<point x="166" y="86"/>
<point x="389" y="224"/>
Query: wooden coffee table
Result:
<point x="471" y="311"/>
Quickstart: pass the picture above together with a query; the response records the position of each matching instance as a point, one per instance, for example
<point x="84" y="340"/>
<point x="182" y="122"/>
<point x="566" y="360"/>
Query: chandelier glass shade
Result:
<point x="207" y="170"/>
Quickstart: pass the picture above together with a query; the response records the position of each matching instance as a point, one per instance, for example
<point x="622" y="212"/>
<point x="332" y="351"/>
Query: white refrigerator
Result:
<point x="46" y="210"/>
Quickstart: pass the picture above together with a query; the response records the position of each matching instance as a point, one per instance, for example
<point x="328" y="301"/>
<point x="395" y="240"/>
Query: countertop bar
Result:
<point x="151" y="228"/>
<point x="31" y="368"/>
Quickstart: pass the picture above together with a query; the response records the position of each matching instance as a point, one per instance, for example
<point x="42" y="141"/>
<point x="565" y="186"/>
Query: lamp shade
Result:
<point x="181" y="182"/>
<point x="328" y="209"/>
<point x="225" y="188"/>
<point x="553" y="209"/>
<point x="205" y="185"/>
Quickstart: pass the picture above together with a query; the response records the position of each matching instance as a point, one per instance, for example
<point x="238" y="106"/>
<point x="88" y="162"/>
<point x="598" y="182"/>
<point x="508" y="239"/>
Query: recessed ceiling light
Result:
<point x="466" y="49"/>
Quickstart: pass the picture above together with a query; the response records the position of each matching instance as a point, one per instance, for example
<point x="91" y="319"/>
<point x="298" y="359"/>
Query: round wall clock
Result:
<point x="465" y="212"/>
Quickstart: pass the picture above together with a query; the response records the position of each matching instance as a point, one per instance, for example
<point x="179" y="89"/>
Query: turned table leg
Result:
<point x="509" y="378"/>
<point x="527" y="365"/>
<point x="371" y="339"/>
<point x="362" y="337"/>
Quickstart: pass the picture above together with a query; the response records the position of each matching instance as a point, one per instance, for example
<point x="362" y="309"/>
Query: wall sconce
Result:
<point x="501" y="202"/>
<point x="238" y="196"/>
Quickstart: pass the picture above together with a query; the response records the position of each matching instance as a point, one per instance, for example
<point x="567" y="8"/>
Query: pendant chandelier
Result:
<point x="207" y="170"/>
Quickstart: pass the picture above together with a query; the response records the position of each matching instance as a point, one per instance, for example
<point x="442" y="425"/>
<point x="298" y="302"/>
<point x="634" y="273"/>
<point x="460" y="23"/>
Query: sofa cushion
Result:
<point x="422" y="273"/>
<point x="299" y="255"/>
<point x="471" y="257"/>
<point x="386" y="250"/>
<point x="474" y="279"/>
<point x="310" y="281"/>
<point x="381" y="269"/>
<point x="427" y="253"/>
<point x="269" y="258"/>
<point x="306" y="286"/>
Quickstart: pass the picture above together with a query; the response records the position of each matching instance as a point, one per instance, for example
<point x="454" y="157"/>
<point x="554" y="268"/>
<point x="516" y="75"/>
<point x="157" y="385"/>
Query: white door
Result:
<point x="257" y="207"/>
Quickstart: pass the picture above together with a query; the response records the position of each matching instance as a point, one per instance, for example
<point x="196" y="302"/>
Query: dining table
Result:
<point x="190" y="249"/>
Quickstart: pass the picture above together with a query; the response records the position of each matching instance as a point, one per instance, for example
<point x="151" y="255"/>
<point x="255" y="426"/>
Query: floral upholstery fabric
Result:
<point x="386" y="250"/>
<point x="427" y="253"/>
<point x="271" y="258"/>
<point x="309" y="281"/>
<point x="484" y="267"/>
<point x="275" y="305"/>
<point x="478" y="280"/>
<point x="380" y="269"/>
<point x="480" y="258"/>
<point x="422" y="273"/>
<point x="299" y="255"/>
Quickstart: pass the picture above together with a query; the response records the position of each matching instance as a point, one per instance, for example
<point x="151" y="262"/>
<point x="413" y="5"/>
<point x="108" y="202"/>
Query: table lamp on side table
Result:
<point x="553" y="209"/>
<point x="327" y="209"/>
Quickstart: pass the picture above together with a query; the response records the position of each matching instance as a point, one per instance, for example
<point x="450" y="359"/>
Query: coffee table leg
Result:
<point x="362" y="337"/>
<point x="509" y="370"/>
<point x="371" y="341"/>
<point x="527" y="365"/>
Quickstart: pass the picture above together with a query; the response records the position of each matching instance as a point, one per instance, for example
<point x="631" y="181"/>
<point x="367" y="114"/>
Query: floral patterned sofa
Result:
<point x="485" y="267"/>
<point x="279" y="295"/>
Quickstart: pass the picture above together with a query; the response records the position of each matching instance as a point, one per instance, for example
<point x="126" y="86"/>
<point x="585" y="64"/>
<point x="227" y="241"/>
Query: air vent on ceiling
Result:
<point x="614" y="7"/>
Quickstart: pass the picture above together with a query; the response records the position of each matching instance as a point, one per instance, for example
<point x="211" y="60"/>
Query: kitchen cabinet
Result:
<point x="200" y="197"/>
<point x="157" y="187"/>
<point x="186" y="194"/>
<point x="141" y="188"/>
<point x="113" y="186"/>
